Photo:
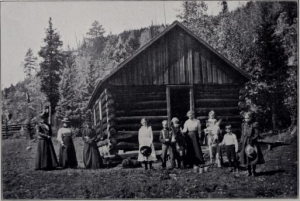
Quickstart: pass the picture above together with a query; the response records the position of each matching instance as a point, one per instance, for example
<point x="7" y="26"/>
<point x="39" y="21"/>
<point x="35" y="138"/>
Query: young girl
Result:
<point x="249" y="136"/>
<point x="146" y="139"/>
<point x="213" y="136"/>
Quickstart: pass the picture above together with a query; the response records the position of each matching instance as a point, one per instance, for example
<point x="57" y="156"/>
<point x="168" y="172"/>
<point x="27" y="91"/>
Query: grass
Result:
<point x="277" y="179"/>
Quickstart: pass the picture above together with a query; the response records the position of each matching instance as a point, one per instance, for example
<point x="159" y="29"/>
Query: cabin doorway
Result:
<point x="180" y="99"/>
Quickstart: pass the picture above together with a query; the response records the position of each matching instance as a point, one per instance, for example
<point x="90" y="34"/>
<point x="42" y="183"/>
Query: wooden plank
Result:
<point x="191" y="69"/>
<point x="196" y="68"/>
<point x="204" y="70"/>
<point x="220" y="76"/>
<point x="209" y="71"/>
<point x="155" y="78"/>
<point x="167" y="61"/>
<point x="214" y="73"/>
<point x="149" y="64"/>
<point x="168" y="104"/>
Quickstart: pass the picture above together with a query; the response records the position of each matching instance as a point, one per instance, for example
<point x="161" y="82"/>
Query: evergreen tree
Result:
<point x="29" y="63"/>
<point x="67" y="86"/>
<point x="51" y="66"/>
<point x="266" y="91"/>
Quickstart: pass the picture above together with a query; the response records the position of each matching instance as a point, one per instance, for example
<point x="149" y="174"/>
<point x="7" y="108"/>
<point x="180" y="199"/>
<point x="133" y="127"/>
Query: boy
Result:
<point x="231" y="144"/>
<point x="166" y="138"/>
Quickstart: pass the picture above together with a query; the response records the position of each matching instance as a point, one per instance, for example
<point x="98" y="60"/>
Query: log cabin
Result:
<point x="173" y="73"/>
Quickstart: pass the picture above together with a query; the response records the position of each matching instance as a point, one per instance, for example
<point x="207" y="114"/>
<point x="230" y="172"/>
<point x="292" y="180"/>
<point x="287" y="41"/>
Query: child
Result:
<point x="146" y="139"/>
<point x="167" y="140"/>
<point x="231" y="144"/>
<point x="210" y="122"/>
<point x="213" y="136"/>
<point x="180" y="143"/>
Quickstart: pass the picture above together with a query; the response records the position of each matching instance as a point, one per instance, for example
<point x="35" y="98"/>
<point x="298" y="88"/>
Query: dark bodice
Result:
<point x="250" y="130"/>
<point x="44" y="130"/>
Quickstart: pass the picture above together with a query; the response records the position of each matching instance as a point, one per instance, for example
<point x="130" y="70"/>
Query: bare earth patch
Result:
<point x="277" y="178"/>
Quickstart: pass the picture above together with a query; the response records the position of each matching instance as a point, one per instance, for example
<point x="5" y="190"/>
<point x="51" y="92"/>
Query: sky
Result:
<point x="23" y="24"/>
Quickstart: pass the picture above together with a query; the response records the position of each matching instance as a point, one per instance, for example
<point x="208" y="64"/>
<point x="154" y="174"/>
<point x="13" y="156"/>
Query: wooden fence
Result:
<point x="15" y="129"/>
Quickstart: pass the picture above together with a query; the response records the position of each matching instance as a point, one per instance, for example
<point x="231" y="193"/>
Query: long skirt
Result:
<point x="45" y="156"/>
<point x="67" y="154"/>
<point x="194" y="152"/>
<point x="91" y="156"/>
<point x="245" y="160"/>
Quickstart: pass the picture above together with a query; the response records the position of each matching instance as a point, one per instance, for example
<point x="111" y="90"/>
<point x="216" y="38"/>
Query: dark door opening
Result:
<point x="180" y="103"/>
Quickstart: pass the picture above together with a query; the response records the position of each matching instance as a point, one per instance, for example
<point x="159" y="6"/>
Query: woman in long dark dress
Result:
<point x="91" y="154"/>
<point x="193" y="128"/>
<point x="250" y="133"/>
<point x="45" y="156"/>
<point x="67" y="153"/>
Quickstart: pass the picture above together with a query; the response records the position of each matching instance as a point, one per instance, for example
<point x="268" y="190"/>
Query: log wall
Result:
<point x="223" y="99"/>
<point x="131" y="105"/>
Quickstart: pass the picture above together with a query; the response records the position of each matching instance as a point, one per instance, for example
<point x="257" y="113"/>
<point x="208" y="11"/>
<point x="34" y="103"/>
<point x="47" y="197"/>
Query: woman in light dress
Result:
<point x="146" y="139"/>
<point x="192" y="127"/>
<point x="67" y="153"/>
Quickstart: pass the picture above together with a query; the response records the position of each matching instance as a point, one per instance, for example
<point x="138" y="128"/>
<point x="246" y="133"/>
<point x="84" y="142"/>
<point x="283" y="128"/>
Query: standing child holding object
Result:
<point x="146" y="140"/>
<point x="231" y="144"/>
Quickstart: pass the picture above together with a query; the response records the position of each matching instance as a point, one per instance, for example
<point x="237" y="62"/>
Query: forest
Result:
<point x="259" y="37"/>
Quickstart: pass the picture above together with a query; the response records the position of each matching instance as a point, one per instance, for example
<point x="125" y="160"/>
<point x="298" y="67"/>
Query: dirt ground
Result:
<point x="277" y="178"/>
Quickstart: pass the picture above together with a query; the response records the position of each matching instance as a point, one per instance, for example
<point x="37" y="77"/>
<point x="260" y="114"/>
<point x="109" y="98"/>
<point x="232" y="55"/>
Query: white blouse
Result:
<point x="63" y="132"/>
<point x="192" y="125"/>
<point x="145" y="136"/>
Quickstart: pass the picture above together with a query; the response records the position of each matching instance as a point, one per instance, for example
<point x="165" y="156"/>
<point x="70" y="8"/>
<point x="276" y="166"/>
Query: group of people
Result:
<point x="46" y="158"/>
<point x="183" y="145"/>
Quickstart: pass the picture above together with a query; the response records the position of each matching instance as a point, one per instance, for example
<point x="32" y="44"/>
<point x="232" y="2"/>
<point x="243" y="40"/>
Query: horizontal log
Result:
<point x="216" y="109"/>
<point x="138" y="118"/>
<point x="145" y="112"/>
<point x="110" y="117"/>
<point x="129" y="154"/>
<point x="134" y="146"/>
<point x="107" y="103"/>
<point x="224" y="118"/>
<point x="122" y="135"/>
<point x="137" y="89"/>
<point x="136" y="127"/>
<point x="212" y="95"/>
<point x="216" y="103"/>
<point x="141" y="97"/>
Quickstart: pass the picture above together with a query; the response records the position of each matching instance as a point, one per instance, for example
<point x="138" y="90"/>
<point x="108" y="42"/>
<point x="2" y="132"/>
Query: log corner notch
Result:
<point x="106" y="127"/>
<point x="242" y="102"/>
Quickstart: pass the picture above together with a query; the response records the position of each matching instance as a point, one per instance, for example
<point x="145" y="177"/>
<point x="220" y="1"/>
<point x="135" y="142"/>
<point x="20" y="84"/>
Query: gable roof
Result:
<point x="149" y="43"/>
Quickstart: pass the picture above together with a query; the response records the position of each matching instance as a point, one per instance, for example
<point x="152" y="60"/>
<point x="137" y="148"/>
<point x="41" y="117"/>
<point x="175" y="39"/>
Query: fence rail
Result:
<point x="14" y="129"/>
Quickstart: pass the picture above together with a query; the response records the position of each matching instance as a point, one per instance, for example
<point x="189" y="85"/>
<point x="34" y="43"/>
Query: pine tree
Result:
<point x="29" y="63"/>
<point x="269" y="69"/>
<point x="67" y="86"/>
<point x="51" y="66"/>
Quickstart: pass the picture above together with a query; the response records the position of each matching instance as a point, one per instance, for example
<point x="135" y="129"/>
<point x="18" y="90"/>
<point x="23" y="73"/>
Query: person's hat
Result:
<point x="175" y="120"/>
<point x="145" y="151"/>
<point x="251" y="151"/>
<point x="66" y="120"/>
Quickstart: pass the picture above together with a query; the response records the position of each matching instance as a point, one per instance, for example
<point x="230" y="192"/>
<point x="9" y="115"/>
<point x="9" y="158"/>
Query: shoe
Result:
<point x="249" y="174"/>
